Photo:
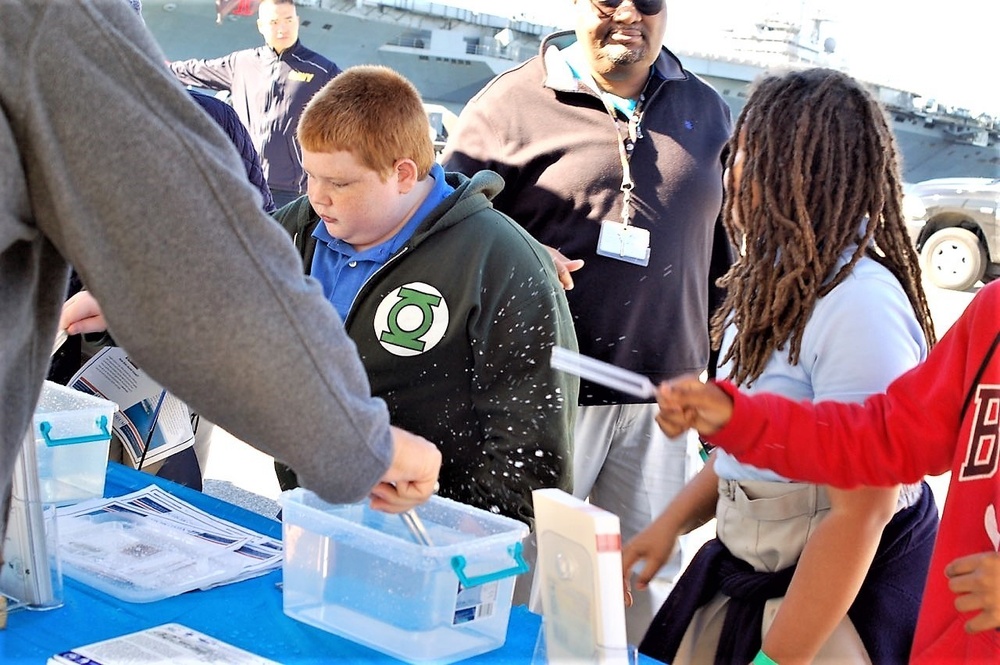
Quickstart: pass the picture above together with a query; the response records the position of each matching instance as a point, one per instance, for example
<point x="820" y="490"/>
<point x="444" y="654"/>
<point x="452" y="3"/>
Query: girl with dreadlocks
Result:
<point x="824" y="302"/>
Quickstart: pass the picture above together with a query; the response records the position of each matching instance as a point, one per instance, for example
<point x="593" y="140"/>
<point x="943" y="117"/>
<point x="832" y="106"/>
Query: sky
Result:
<point x="946" y="51"/>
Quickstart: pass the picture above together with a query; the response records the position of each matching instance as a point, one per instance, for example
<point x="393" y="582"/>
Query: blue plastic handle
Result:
<point x="102" y="424"/>
<point x="458" y="565"/>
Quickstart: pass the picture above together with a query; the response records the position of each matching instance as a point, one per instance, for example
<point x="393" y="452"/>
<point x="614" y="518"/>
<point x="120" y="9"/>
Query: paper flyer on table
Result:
<point x="111" y="374"/>
<point x="170" y="643"/>
<point x="261" y="553"/>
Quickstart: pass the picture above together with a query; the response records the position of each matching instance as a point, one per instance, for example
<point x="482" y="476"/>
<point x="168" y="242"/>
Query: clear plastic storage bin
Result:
<point x="364" y="575"/>
<point x="72" y="433"/>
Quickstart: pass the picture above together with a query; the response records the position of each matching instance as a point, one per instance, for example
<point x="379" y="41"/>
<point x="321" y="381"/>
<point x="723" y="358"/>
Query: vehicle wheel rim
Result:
<point x="952" y="259"/>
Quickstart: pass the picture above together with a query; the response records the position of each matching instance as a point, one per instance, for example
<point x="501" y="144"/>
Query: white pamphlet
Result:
<point x="170" y="643"/>
<point x="111" y="374"/>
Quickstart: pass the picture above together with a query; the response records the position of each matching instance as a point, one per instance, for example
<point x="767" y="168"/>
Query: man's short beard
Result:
<point x="619" y="56"/>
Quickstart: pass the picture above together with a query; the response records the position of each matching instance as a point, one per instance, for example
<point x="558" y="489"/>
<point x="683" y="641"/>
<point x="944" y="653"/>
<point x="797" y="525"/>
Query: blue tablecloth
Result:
<point x="247" y="614"/>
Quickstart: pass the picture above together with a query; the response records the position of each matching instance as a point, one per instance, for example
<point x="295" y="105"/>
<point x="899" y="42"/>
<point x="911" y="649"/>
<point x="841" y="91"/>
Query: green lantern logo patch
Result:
<point x="411" y="320"/>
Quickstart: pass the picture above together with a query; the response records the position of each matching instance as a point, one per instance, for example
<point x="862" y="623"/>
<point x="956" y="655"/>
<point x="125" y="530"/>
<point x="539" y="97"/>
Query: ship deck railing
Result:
<point x="521" y="23"/>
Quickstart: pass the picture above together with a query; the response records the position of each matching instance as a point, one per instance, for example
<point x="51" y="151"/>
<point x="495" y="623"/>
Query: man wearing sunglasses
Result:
<point x="611" y="152"/>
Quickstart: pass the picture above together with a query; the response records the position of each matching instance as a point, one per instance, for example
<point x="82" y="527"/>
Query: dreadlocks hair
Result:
<point x="820" y="173"/>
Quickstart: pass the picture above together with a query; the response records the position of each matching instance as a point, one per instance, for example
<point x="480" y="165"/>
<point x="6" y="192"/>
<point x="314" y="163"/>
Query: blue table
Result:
<point x="247" y="614"/>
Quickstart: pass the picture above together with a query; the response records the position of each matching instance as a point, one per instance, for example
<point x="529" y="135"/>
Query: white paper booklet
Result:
<point x="580" y="578"/>
<point x="170" y="643"/>
<point x="111" y="374"/>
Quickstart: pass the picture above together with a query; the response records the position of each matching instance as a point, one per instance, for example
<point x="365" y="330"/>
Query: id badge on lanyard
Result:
<point x="622" y="240"/>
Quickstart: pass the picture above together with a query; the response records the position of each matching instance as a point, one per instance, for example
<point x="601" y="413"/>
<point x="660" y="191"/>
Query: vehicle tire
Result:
<point x="953" y="258"/>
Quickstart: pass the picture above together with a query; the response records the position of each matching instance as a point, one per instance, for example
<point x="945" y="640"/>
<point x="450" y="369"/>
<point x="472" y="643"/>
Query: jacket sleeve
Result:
<point x="298" y="219"/>
<point x="147" y="198"/>
<point x="898" y="437"/>
<point x="213" y="74"/>
<point x="226" y="118"/>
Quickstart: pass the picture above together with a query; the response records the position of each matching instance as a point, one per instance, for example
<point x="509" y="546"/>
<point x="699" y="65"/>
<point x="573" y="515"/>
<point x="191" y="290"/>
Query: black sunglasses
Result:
<point x="607" y="8"/>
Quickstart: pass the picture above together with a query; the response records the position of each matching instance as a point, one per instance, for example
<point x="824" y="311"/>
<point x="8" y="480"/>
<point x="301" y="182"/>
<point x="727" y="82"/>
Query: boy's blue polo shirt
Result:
<point x="343" y="271"/>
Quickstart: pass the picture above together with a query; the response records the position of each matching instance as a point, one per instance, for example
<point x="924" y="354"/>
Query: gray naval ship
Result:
<point x="450" y="53"/>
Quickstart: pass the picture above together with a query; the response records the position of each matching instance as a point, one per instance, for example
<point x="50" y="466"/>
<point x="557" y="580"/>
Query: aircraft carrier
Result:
<point x="450" y="53"/>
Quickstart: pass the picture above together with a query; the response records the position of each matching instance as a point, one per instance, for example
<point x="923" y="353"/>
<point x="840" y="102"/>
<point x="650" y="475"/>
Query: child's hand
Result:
<point x="976" y="581"/>
<point x="652" y="546"/>
<point x="686" y="402"/>
<point x="82" y="314"/>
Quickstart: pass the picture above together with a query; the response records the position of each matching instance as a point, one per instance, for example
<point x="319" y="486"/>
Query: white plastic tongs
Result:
<point x="611" y="376"/>
<point x="598" y="371"/>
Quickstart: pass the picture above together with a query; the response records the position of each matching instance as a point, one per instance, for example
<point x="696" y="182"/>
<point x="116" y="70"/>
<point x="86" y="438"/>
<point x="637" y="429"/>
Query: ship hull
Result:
<point x="188" y="30"/>
<point x="366" y="34"/>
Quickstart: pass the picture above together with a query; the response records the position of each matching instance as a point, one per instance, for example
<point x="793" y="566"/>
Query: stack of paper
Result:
<point x="169" y="644"/>
<point x="150" y="545"/>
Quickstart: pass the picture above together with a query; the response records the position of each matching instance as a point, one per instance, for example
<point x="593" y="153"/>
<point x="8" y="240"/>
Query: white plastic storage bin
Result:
<point x="363" y="574"/>
<point x="72" y="433"/>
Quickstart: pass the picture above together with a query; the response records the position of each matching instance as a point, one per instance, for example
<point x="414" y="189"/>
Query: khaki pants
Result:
<point x="766" y="525"/>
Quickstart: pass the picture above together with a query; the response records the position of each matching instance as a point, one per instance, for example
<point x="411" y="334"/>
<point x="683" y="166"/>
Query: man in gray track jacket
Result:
<point x="107" y="164"/>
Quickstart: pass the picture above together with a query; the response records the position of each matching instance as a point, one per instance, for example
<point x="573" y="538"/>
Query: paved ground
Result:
<point x="241" y="474"/>
<point x="244" y="476"/>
